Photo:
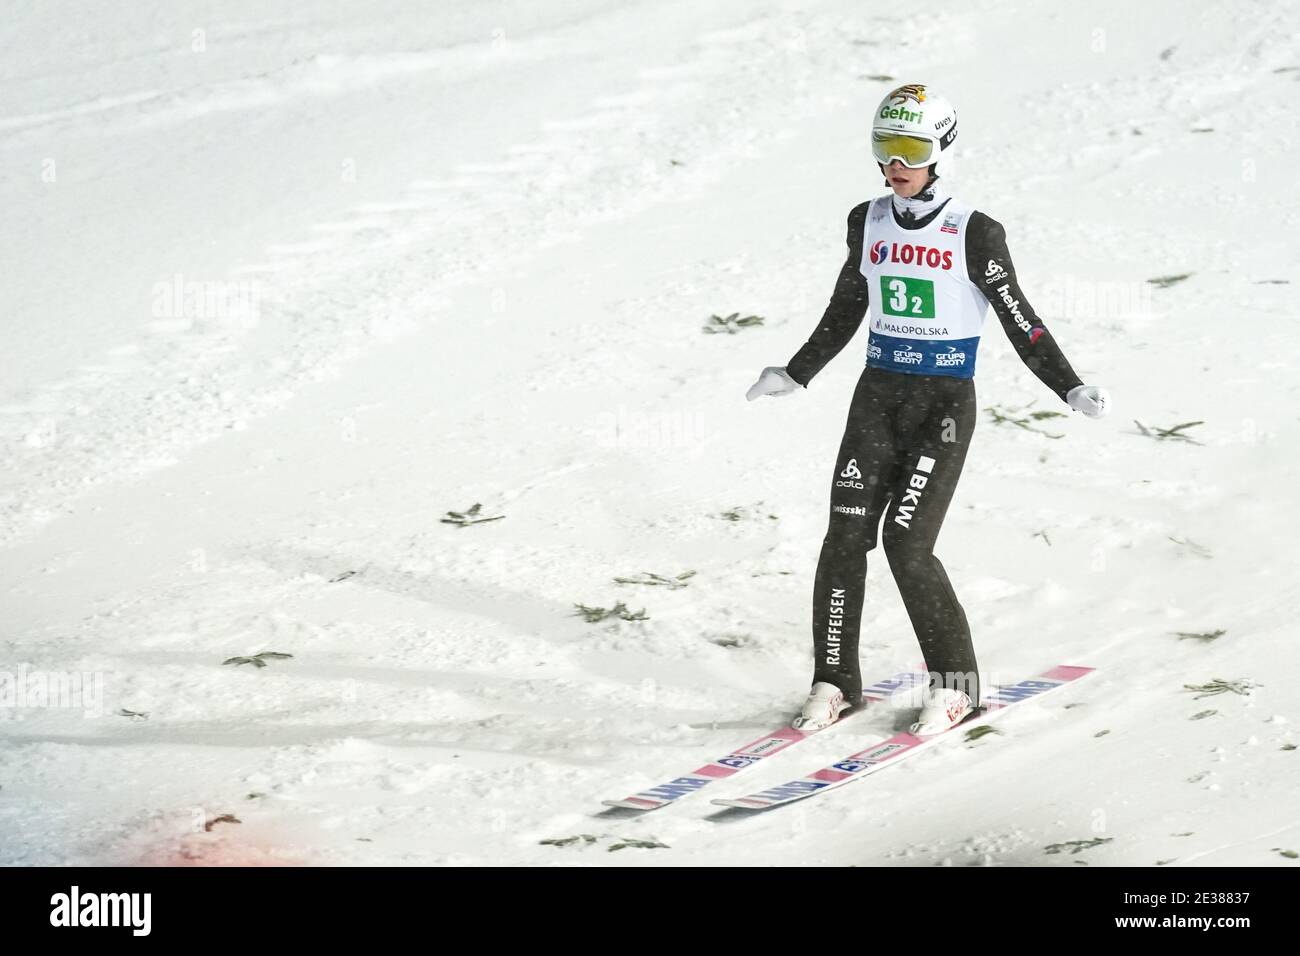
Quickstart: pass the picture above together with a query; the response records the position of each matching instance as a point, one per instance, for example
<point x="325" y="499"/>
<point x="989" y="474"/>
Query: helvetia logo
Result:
<point x="1020" y="320"/>
<point x="879" y="252"/>
<point x="850" y="475"/>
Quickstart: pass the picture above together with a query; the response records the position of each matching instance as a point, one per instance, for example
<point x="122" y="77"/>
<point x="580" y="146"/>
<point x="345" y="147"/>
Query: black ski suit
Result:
<point x="904" y="444"/>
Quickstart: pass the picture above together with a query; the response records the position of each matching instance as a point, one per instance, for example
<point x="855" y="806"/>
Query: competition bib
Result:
<point x="925" y="313"/>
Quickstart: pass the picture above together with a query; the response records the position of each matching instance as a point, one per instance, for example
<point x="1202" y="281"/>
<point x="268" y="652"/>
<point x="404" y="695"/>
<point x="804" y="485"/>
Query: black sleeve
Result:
<point x="843" y="315"/>
<point x="990" y="268"/>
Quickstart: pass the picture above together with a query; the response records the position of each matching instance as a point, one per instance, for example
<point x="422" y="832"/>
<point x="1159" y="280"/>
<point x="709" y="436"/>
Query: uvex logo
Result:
<point x="910" y="253"/>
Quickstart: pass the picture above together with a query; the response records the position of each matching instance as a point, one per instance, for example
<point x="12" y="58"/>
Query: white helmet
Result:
<point x="913" y="125"/>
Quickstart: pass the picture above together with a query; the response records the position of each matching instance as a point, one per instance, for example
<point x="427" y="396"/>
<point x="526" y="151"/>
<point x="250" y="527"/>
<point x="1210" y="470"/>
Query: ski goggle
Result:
<point x="912" y="151"/>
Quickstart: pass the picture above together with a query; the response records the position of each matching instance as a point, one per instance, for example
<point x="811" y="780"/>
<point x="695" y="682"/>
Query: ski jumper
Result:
<point x="927" y="283"/>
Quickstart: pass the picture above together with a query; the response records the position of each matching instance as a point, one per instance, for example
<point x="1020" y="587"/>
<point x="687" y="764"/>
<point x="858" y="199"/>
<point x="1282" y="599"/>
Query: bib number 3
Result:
<point x="907" y="296"/>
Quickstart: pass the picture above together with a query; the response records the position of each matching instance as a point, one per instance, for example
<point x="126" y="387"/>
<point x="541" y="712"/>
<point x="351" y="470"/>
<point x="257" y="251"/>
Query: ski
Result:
<point x="752" y="753"/>
<point x="888" y="752"/>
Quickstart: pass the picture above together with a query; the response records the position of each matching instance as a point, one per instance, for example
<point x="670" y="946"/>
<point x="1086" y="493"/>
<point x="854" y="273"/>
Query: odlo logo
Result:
<point x="850" y="475"/>
<point x="994" y="272"/>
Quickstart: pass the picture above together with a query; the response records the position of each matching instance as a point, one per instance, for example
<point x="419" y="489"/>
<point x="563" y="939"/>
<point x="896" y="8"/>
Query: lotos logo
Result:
<point x="910" y="254"/>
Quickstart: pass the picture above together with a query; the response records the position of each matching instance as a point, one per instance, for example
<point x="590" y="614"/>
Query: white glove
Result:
<point x="1092" y="400"/>
<point x="774" y="381"/>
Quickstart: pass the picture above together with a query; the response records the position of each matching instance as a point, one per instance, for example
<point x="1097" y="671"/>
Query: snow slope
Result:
<point x="462" y="254"/>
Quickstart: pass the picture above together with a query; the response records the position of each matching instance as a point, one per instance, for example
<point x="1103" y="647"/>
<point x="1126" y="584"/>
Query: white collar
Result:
<point x="922" y="204"/>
